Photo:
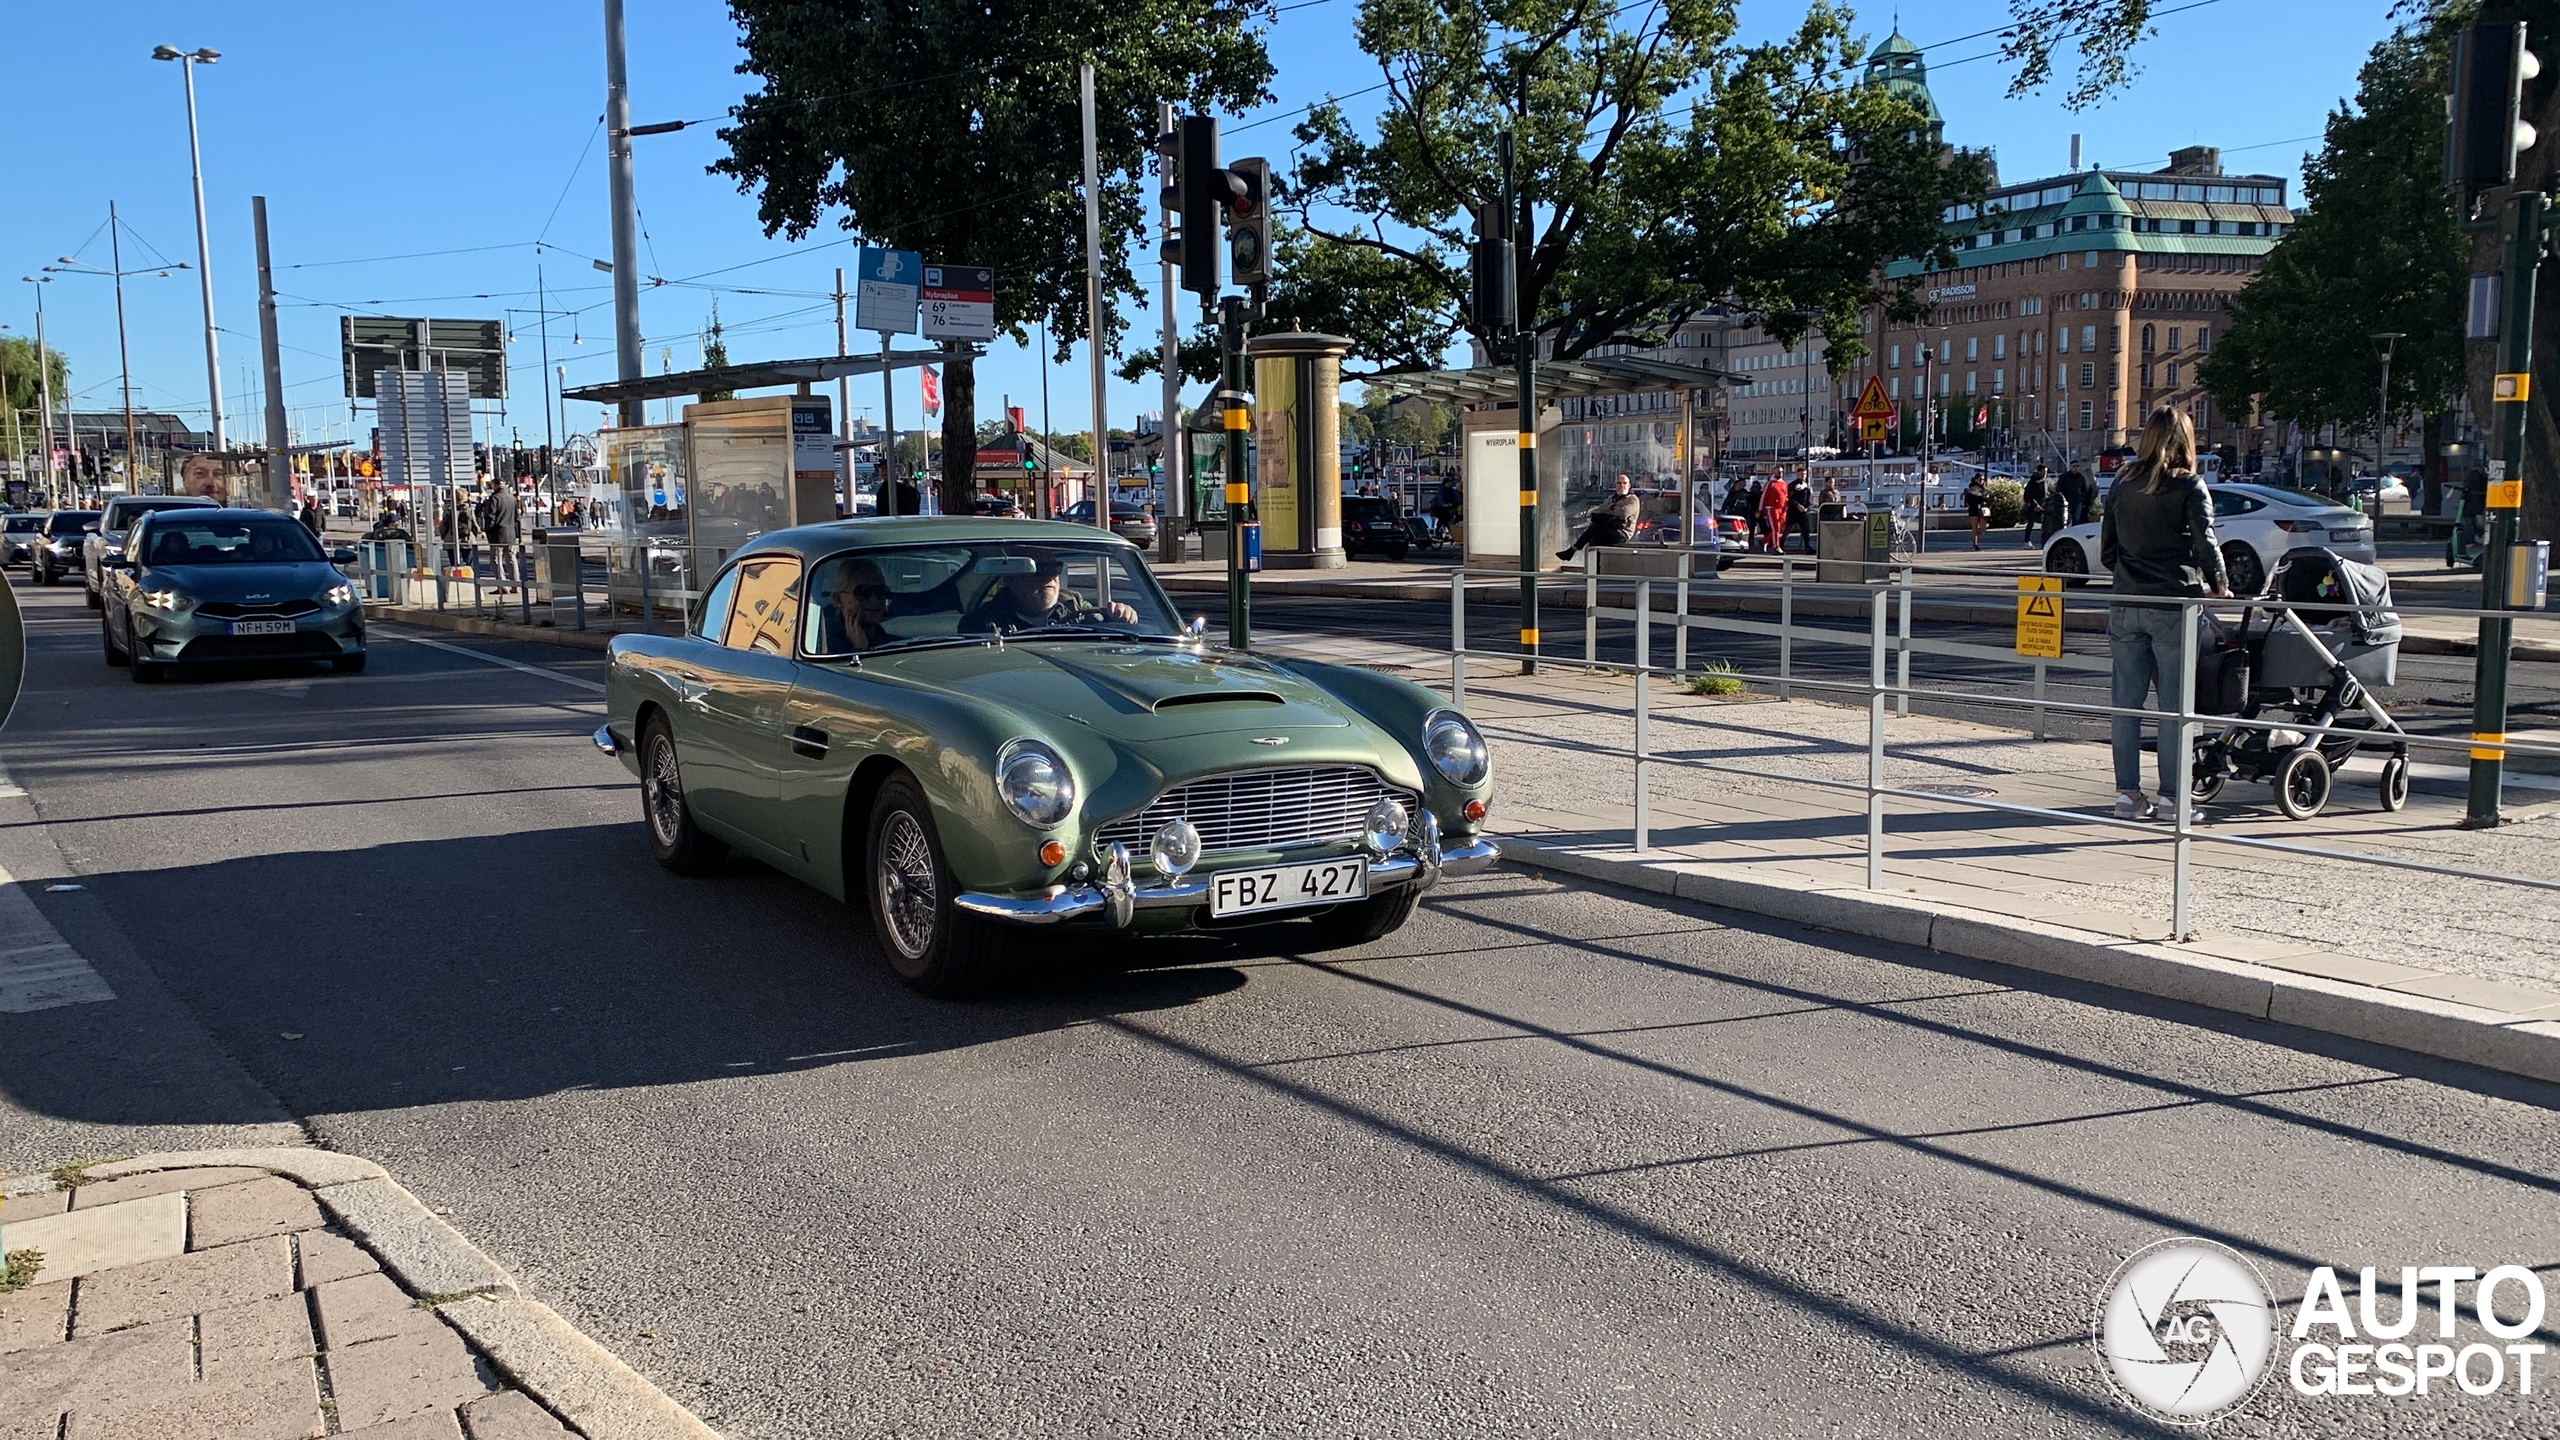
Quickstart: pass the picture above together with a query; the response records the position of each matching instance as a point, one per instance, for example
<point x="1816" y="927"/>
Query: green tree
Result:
<point x="2374" y="248"/>
<point x="952" y="129"/>
<point x="1664" y="167"/>
<point x="21" y="390"/>
<point x="715" y="353"/>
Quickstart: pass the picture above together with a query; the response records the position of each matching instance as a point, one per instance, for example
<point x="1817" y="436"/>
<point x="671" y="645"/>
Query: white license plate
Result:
<point x="261" y="627"/>
<point x="1327" y="882"/>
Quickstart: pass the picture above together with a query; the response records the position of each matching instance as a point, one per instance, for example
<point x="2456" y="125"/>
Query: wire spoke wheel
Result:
<point x="907" y="893"/>
<point x="662" y="790"/>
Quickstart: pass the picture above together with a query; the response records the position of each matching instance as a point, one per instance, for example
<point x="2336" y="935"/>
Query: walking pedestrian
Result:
<point x="2157" y="538"/>
<point x="2038" y="486"/>
<point x="1610" y="522"/>
<point x="1773" y="513"/>
<point x="2077" y="492"/>
<point x="1977" y="507"/>
<point x="1800" y="511"/>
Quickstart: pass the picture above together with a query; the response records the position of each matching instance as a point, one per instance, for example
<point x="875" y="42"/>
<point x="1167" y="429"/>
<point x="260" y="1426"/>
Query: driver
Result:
<point x="1028" y="601"/>
<point x="857" y="603"/>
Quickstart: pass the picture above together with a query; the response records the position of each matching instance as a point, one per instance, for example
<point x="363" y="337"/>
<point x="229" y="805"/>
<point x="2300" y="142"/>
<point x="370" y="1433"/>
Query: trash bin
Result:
<point x="1852" y="552"/>
<point x="377" y="569"/>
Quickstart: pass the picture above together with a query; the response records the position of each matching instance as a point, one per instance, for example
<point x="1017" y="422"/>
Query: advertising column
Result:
<point x="1297" y="387"/>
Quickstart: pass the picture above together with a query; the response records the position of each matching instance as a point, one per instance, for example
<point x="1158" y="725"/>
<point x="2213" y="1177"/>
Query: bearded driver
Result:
<point x="1030" y="600"/>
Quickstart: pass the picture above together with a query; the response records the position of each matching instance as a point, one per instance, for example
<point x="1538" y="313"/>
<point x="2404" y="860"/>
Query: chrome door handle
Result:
<point x="690" y="690"/>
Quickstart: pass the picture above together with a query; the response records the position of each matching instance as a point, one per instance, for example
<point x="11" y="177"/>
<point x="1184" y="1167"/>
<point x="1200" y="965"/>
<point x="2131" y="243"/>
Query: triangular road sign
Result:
<point x="1871" y="402"/>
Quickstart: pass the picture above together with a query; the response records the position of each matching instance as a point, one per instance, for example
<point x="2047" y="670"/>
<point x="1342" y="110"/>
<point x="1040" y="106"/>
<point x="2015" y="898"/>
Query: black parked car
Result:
<point x="1373" y="524"/>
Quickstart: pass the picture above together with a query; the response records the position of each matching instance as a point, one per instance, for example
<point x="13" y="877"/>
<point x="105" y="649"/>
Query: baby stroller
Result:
<point x="2320" y="669"/>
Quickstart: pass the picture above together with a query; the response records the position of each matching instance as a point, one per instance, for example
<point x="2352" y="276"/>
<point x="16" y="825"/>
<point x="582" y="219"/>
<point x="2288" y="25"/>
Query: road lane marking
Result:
<point x="39" y="970"/>
<point x="488" y="659"/>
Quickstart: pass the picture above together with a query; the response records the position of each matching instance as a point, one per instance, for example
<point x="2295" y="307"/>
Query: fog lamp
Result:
<point x="1383" y="830"/>
<point x="1175" y="848"/>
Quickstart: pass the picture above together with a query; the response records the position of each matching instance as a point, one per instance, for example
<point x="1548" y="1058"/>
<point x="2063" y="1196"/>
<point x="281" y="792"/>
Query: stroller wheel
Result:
<point x="2302" y="783"/>
<point x="2395" y="783"/>
<point x="2207" y="786"/>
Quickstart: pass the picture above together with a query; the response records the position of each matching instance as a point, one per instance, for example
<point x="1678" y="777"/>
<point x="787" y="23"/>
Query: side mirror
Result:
<point x="342" y="556"/>
<point x="114" y="562"/>
<point x="88" y="529"/>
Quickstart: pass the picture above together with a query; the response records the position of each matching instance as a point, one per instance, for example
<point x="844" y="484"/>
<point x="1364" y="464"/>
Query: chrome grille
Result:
<point x="1261" y="809"/>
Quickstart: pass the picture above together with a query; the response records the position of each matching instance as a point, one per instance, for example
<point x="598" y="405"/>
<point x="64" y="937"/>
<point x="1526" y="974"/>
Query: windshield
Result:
<point x="122" y="513"/>
<point x="22" y="523"/>
<point x="229" y="540"/>
<point x="894" y="597"/>
<point x="68" y="522"/>
<point x="2299" y="499"/>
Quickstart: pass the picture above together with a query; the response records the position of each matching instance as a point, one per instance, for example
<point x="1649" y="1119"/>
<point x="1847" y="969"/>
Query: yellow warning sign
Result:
<point x="1870" y="429"/>
<point x="2040" y="615"/>
<point x="1871" y="402"/>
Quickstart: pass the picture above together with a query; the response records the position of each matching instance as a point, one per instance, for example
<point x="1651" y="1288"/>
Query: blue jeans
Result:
<point x="2146" y="645"/>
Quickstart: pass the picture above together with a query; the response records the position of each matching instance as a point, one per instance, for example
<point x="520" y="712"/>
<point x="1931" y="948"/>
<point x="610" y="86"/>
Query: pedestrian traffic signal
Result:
<point x="2484" y="125"/>
<point x="1493" y="302"/>
<point x="1248" y="201"/>
<point x="1192" y="191"/>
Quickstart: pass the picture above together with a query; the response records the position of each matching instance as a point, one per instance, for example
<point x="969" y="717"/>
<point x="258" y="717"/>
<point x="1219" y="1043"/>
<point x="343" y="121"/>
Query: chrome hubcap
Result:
<point x="907" y="896"/>
<point x="662" y="790"/>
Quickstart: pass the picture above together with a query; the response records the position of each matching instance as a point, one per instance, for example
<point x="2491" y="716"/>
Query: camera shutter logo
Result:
<point x="2184" y="1330"/>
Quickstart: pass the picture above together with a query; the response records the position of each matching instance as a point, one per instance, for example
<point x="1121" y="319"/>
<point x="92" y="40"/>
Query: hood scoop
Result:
<point x="1219" y="697"/>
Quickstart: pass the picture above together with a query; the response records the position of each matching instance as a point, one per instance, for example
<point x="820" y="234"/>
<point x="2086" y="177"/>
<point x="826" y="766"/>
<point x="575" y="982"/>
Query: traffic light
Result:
<point x="1495" y="296"/>
<point x="1248" y="198"/>
<point x="2484" y="128"/>
<point x="1192" y="192"/>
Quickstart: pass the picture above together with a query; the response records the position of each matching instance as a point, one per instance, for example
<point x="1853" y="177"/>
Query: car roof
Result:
<point x="828" y="537"/>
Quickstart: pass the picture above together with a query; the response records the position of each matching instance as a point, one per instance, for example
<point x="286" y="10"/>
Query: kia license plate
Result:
<point x="261" y="627"/>
<point x="1286" y="887"/>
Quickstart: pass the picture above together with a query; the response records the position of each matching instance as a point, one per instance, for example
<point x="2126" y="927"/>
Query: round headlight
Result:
<point x="1034" y="784"/>
<point x="1175" y="848"/>
<point x="1456" y="750"/>
<point x="1383" y="830"/>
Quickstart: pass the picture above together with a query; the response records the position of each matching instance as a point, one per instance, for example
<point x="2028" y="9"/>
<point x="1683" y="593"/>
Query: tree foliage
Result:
<point x="2373" y="249"/>
<point x="1665" y="166"/>
<point x="21" y="384"/>
<point x="953" y="129"/>
<point x="2103" y="32"/>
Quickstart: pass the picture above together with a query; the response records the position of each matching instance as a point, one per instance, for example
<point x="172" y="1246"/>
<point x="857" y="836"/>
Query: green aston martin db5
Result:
<point x="972" y="726"/>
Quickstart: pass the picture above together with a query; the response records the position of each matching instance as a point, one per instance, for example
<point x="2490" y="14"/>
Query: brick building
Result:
<point x="2077" y="304"/>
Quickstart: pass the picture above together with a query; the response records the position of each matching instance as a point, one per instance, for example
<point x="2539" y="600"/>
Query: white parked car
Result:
<point x="2257" y="525"/>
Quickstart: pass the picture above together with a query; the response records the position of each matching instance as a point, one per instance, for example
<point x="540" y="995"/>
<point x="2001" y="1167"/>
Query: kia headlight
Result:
<point x="1456" y="750"/>
<point x="164" y="600"/>
<point x="1033" y="782"/>
<point x="340" y="595"/>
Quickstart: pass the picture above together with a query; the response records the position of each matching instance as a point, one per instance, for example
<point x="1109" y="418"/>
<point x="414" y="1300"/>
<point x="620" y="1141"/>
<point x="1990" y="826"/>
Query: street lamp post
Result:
<point x="44" y="384"/>
<point x="2382" y="411"/>
<point x="188" y="60"/>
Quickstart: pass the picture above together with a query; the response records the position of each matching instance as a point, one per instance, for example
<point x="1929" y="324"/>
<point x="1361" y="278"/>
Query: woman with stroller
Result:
<point x="2156" y="536"/>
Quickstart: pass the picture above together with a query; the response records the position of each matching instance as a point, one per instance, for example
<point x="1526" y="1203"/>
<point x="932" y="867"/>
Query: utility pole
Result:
<point x="844" y="405"/>
<point x="628" y="363"/>
<point x="550" y="441"/>
<point x="124" y="353"/>
<point x="2382" y="411"/>
<point x="1177" y="440"/>
<point x="44" y="388"/>
<point x="187" y="63"/>
<point x="1234" y="394"/>
<point x="1526" y="333"/>
<point x="2520" y="257"/>
<point x="1093" y="303"/>
<point x="279" y="447"/>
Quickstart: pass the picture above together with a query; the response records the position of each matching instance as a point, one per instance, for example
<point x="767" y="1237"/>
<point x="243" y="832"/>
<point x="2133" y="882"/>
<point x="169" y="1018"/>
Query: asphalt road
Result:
<point x="1553" y="1160"/>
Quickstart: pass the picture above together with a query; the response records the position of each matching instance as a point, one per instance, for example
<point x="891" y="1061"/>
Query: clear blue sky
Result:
<point x="390" y="130"/>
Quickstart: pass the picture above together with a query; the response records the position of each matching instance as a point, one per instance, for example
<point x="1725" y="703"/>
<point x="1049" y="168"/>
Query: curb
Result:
<point x="495" y="629"/>
<point x="2491" y="1039"/>
<point x="529" y="1343"/>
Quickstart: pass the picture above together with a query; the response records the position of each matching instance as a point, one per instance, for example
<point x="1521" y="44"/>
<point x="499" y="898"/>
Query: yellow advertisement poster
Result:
<point x="1275" y="453"/>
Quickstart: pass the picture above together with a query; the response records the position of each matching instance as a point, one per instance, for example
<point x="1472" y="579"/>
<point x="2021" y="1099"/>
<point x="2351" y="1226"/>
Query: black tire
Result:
<point x="94" y="600"/>
<point x="1344" y="926"/>
<point x="2067" y="559"/>
<point x="2247" y="572"/>
<point x="107" y="641"/>
<point x="909" y="888"/>
<point x="2302" y="783"/>
<point x="349" y="664"/>
<point x="2207" y="788"/>
<point x="146" y="672"/>
<point x="2395" y="783"/>
<point x="674" y="840"/>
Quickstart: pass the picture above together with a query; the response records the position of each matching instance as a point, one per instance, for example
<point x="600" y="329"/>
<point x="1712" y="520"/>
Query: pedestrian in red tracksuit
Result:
<point x="1773" y="514"/>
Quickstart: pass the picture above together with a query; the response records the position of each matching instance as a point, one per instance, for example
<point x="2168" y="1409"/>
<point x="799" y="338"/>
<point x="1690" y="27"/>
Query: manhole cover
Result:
<point x="1964" y="791"/>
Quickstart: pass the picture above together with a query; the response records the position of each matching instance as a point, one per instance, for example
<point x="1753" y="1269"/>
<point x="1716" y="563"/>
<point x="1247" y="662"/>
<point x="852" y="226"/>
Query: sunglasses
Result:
<point x="866" y="592"/>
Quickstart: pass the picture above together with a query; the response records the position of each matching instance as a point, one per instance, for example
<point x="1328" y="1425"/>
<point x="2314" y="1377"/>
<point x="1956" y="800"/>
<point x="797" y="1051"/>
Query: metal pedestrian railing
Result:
<point x="569" y="579"/>
<point x="1887" y="603"/>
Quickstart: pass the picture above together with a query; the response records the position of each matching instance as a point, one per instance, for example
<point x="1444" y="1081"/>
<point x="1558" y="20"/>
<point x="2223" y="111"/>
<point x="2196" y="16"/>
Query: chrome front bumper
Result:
<point x="1120" y="899"/>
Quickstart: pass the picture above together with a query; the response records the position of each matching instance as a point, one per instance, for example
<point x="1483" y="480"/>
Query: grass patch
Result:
<point x="18" y="1270"/>
<point x="1716" y="677"/>
<point x="72" y="1174"/>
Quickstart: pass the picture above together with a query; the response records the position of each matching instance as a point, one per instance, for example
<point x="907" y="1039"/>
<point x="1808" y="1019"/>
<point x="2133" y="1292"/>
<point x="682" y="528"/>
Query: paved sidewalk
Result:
<point x="293" y="1294"/>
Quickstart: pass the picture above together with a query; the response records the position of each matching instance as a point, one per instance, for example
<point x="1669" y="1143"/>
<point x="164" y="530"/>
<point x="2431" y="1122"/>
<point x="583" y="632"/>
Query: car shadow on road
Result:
<point x="500" y="967"/>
